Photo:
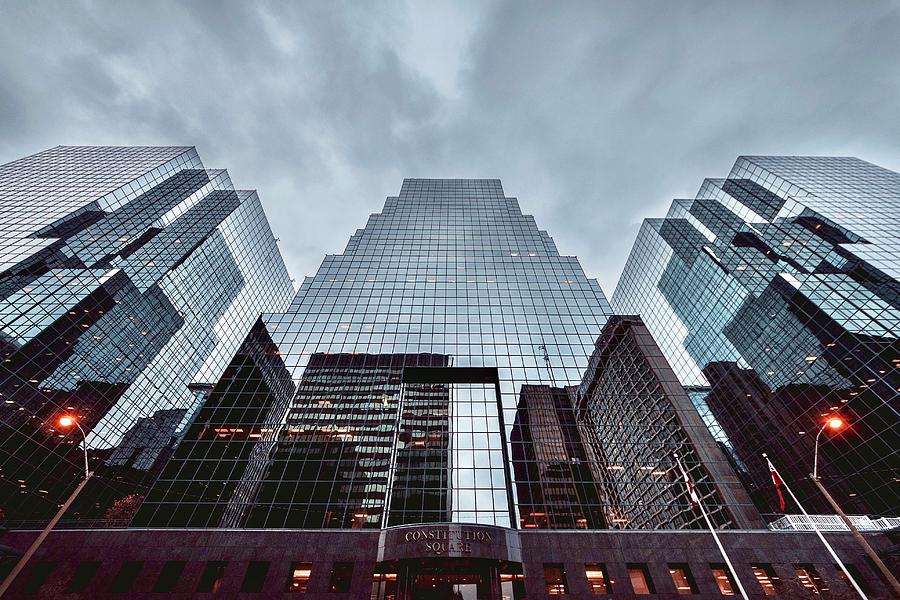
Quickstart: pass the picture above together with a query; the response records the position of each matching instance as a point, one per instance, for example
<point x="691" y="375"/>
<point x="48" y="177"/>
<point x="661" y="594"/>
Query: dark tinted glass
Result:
<point x="38" y="576"/>
<point x="212" y="577"/>
<point x="341" y="577"/>
<point x="255" y="578"/>
<point x="83" y="575"/>
<point x="124" y="579"/>
<point x="169" y="575"/>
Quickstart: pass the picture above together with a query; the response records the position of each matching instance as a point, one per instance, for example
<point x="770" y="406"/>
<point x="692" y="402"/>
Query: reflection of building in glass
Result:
<point x="777" y="290"/>
<point x="420" y="479"/>
<point x="554" y="480"/>
<point x="143" y="444"/>
<point x="637" y="415"/>
<point x="126" y="273"/>
<point x="431" y="361"/>
<point x="433" y="416"/>
<point x="331" y="466"/>
<point x="217" y="467"/>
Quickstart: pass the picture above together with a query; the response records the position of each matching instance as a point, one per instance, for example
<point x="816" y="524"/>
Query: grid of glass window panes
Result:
<point x="420" y="473"/>
<point x="450" y="274"/>
<point x="776" y="289"/>
<point x="639" y="427"/>
<point x="331" y="464"/>
<point x="39" y="193"/>
<point x="478" y="473"/>
<point x="149" y="274"/>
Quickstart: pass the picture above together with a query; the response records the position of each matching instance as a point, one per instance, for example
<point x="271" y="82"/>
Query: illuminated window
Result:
<point x="768" y="580"/>
<point x="598" y="579"/>
<point x="810" y="579"/>
<point x="300" y="572"/>
<point x="683" y="580"/>
<point x="384" y="586"/>
<point x="641" y="582"/>
<point x="555" y="576"/>
<point x="723" y="579"/>
<point x="512" y="585"/>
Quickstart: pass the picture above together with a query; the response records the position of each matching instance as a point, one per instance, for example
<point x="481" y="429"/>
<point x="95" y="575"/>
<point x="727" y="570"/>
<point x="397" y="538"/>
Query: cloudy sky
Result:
<point x="595" y="115"/>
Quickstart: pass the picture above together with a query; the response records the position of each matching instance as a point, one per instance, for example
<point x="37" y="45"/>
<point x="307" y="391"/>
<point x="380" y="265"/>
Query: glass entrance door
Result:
<point x="436" y="586"/>
<point x="448" y="579"/>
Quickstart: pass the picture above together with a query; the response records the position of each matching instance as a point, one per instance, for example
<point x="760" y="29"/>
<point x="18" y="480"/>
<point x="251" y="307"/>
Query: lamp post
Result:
<point x="64" y="422"/>
<point x="835" y="423"/>
<point x="68" y="421"/>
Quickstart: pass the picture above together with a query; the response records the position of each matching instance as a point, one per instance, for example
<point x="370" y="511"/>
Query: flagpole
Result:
<point x="816" y="529"/>
<point x="696" y="498"/>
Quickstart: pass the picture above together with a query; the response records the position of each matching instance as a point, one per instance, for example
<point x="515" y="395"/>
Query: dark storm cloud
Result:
<point x="604" y="113"/>
<point x="594" y="114"/>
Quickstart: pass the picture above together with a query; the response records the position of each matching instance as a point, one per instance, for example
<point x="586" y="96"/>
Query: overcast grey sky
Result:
<point x="595" y="115"/>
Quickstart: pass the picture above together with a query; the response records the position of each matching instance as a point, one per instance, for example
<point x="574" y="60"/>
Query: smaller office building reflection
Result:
<point x="635" y="417"/>
<point x="554" y="481"/>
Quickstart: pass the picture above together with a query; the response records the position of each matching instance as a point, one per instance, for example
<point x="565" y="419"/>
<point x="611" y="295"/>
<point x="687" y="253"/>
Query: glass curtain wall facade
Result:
<point x="774" y="294"/>
<point x="129" y="277"/>
<point x="425" y="375"/>
<point x="638" y="417"/>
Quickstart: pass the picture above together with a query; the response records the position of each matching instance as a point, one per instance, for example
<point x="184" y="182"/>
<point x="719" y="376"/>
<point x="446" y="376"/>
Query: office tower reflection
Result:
<point x="776" y="291"/>
<point x="126" y="275"/>
<point x="436" y="366"/>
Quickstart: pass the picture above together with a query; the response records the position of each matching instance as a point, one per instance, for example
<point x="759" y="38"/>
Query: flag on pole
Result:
<point x="695" y="503"/>
<point x="776" y="478"/>
<point x="695" y="499"/>
<point x="777" y="481"/>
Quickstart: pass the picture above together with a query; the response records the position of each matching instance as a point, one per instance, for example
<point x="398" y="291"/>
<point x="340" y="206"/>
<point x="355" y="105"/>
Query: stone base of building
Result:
<point x="432" y="562"/>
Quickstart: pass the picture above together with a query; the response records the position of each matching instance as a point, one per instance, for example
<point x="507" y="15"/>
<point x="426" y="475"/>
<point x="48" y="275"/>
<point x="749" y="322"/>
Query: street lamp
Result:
<point x="67" y="421"/>
<point x="64" y="422"/>
<point x="833" y="423"/>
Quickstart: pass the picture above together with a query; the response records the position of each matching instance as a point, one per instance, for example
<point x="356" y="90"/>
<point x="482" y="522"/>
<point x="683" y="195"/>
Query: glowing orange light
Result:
<point x="835" y="423"/>
<point x="66" y="421"/>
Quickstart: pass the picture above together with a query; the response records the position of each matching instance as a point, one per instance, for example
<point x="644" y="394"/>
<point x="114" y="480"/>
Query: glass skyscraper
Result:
<point x="430" y="374"/>
<point x="774" y="294"/>
<point x="129" y="277"/>
<point x="448" y="409"/>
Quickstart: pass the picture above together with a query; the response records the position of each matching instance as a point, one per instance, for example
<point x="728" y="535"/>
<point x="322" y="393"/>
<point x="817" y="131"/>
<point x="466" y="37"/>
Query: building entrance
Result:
<point x="448" y="579"/>
<point x="437" y="586"/>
